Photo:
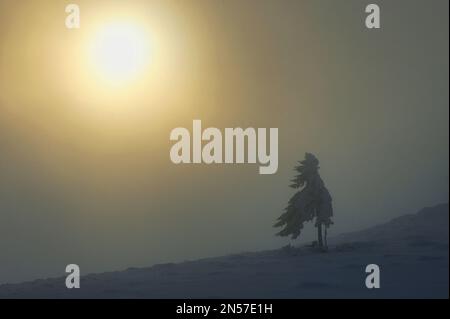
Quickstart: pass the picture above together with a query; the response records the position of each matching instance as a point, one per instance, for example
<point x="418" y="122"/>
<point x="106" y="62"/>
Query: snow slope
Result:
<point x="412" y="252"/>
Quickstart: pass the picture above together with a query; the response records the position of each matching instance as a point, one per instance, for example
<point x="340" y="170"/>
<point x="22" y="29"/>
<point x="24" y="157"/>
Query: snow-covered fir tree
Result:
<point x="312" y="201"/>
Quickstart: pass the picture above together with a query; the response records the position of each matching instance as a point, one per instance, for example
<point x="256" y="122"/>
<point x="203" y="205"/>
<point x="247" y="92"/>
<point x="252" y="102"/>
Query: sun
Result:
<point x="120" y="51"/>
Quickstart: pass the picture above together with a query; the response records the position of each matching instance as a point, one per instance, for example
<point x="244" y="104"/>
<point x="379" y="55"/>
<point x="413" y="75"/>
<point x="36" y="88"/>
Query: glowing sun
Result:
<point x="120" y="51"/>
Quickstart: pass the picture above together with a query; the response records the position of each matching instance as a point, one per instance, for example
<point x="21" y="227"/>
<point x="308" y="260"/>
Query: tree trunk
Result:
<point x="319" y="235"/>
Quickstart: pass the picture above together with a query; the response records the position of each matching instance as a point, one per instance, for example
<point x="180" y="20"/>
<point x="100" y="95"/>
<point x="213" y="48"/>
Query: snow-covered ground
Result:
<point x="412" y="252"/>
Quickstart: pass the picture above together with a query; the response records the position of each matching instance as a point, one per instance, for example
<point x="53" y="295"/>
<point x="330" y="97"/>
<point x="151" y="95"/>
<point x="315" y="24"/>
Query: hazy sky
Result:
<point x="85" y="173"/>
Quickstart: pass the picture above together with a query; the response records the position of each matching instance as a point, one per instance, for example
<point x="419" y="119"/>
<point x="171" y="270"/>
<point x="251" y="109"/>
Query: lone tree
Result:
<point x="312" y="201"/>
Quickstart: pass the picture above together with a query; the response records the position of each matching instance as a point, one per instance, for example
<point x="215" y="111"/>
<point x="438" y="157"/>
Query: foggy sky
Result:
<point x="372" y="105"/>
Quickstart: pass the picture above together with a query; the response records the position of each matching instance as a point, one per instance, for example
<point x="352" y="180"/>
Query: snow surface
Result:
<point x="412" y="252"/>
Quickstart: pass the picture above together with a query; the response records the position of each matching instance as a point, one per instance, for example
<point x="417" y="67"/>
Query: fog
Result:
<point x="85" y="173"/>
